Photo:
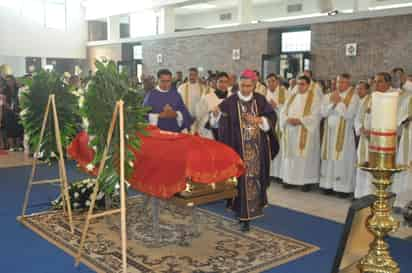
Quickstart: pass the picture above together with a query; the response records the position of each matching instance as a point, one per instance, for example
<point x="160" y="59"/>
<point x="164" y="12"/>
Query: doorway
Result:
<point x="287" y="65"/>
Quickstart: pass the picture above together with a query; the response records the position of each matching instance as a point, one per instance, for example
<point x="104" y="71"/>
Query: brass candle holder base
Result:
<point x="381" y="222"/>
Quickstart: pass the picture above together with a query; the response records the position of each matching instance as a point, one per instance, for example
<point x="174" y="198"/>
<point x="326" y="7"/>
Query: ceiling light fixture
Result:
<point x="333" y="12"/>
<point x="199" y="6"/>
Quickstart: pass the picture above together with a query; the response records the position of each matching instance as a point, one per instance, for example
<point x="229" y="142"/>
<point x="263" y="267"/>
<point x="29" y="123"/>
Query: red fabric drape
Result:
<point x="166" y="160"/>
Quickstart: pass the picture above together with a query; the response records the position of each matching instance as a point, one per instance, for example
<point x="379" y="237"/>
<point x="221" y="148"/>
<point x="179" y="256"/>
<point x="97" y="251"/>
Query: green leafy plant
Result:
<point x="106" y="87"/>
<point x="33" y="101"/>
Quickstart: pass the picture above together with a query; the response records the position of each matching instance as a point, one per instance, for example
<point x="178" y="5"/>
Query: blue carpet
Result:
<point x="22" y="251"/>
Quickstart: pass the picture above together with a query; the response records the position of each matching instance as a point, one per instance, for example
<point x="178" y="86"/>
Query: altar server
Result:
<point x="168" y="111"/>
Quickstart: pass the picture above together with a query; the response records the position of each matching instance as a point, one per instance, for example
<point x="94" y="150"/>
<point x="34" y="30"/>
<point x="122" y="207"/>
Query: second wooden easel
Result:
<point x="118" y="112"/>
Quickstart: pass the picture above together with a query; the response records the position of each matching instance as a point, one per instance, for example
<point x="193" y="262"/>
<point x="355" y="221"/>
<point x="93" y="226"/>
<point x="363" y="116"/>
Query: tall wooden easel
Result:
<point x="62" y="166"/>
<point x="118" y="112"/>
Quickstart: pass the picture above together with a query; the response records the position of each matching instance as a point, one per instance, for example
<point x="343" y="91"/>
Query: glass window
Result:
<point x="56" y="14"/>
<point x="137" y="52"/>
<point x="143" y="24"/>
<point x="296" y="41"/>
<point x="12" y="4"/>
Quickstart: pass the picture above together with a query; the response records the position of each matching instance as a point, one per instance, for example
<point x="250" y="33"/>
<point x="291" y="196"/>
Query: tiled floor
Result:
<point x="318" y="204"/>
<point x="14" y="159"/>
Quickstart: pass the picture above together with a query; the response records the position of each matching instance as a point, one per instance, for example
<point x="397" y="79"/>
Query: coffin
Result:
<point x="197" y="194"/>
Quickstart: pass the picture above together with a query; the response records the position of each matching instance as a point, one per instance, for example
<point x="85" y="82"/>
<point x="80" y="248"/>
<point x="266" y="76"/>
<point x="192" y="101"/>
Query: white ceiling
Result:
<point x="103" y="8"/>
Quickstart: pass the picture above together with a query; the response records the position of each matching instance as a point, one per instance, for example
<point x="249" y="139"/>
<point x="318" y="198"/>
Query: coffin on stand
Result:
<point x="183" y="169"/>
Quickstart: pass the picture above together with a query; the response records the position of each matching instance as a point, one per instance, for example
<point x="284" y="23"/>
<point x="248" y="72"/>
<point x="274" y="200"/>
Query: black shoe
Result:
<point x="343" y="195"/>
<point x="306" y="188"/>
<point x="327" y="192"/>
<point x="397" y="210"/>
<point x="244" y="226"/>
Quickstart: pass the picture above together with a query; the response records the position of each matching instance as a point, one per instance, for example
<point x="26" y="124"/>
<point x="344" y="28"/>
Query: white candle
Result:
<point x="384" y="111"/>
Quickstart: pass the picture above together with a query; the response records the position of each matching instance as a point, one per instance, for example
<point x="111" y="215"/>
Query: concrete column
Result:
<point x="245" y="11"/>
<point x="167" y="20"/>
<point x="113" y="28"/>
<point x="43" y="63"/>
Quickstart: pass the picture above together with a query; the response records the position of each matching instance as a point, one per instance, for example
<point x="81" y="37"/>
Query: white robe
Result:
<point x="339" y="173"/>
<point x="206" y="105"/>
<point x="402" y="182"/>
<point x="299" y="169"/>
<point x="275" y="166"/>
<point x="191" y="94"/>
<point x="363" y="181"/>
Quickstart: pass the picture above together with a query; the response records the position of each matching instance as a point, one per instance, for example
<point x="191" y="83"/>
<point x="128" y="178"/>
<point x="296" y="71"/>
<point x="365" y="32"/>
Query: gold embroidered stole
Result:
<point x="340" y="141"/>
<point x="340" y="137"/>
<point x="186" y="95"/>
<point x="241" y="125"/>
<point x="281" y="93"/>
<point x="303" y="132"/>
<point x="363" y="141"/>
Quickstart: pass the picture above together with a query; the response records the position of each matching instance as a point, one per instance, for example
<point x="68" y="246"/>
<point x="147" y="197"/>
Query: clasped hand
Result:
<point x="168" y="112"/>
<point x="254" y="120"/>
<point x="365" y="132"/>
<point x="274" y="104"/>
<point x="335" y="98"/>
<point x="294" y="121"/>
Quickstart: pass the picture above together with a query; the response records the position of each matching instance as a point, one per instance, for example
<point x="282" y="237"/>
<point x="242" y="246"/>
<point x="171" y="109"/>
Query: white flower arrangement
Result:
<point x="90" y="167"/>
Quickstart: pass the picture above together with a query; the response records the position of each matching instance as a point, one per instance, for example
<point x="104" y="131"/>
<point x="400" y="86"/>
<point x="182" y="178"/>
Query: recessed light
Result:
<point x="286" y="18"/>
<point x="199" y="6"/>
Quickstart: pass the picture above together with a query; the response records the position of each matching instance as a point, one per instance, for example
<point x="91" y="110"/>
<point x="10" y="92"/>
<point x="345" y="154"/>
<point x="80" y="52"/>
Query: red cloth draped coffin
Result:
<point x="166" y="161"/>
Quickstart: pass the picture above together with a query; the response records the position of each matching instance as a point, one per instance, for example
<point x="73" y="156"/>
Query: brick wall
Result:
<point x="383" y="43"/>
<point x="208" y="51"/>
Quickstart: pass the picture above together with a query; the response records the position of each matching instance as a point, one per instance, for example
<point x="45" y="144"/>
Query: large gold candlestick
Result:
<point x="380" y="223"/>
<point x="382" y="151"/>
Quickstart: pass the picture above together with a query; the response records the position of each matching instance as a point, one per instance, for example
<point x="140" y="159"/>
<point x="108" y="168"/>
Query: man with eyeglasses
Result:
<point x="168" y="112"/>
<point x="245" y="122"/>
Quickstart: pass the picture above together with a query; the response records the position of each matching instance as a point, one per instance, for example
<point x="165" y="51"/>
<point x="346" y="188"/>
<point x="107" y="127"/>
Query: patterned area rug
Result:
<point x="221" y="246"/>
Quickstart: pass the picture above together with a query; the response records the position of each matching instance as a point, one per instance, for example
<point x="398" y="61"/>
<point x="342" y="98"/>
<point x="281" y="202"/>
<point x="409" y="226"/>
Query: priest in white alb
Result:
<point x="363" y="181"/>
<point x="191" y="92"/>
<point x="299" y="122"/>
<point x="276" y="95"/>
<point x="338" y="153"/>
